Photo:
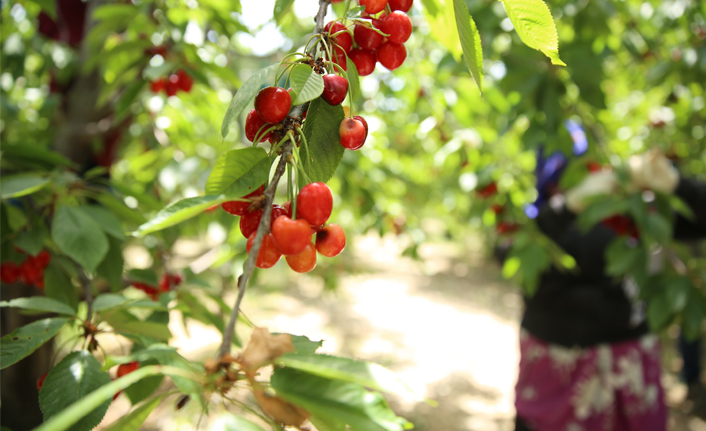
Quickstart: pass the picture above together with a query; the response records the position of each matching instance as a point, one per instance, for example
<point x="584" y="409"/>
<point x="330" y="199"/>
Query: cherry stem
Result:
<point x="260" y="134"/>
<point x="306" y="146"/>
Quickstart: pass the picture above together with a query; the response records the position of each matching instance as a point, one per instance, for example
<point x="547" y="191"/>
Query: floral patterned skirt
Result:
<point x="607" y="387"/>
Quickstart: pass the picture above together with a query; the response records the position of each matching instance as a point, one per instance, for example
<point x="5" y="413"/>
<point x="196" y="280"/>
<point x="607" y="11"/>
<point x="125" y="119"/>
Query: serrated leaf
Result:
<point x="76" y="376"/>
<point x="32" y="241"/>
<point x="534" y="24"/>
<point x="107" y="221"/>
<point x="135" y="419"/>
<point x="25" y="340"/>
<point x="321" y="131"/>
<point x="58" y="285"/>
<point x="335" y="401"/>
<point x="178" y="212"/>
<point x="238" y="172"/>
<point x="14" y="186"/>
<point x="281" y="7"/>
<point x="307" y="84"/>
<point x="353" y="79"/>
<point x="245" y="94"/>
<point x="79" y="237"/>
<point x="39" y="304"/>
<point x="470" y="41"/>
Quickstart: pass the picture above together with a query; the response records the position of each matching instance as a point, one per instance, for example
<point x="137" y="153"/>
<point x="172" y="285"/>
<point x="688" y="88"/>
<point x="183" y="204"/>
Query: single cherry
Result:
<point x="335" y="89"/>
<point x="268" y="255"/>
<point x="373" y="6"/>
<point x="367" y="38"/>
<point x="488" y="190"/>
<point x="9" y="272"/>
<point x="364" y="61"/>
<point x="398" y="26"/>
<point x="40" y="381"/>
<point x="315" y="203"/>
<point x="304" y="261"/>
<point x="403" y="5"/>
<point x="291" y="236"/>
<point x="253" y="123"/>
<point x="158" y="85"/>
<point x="185" y="81"/>
<point x="352" y="134"/>
<point x="42" y="259"/>
<point x="365" y="123"/>
<point x="330" y="240"/>
<point x="172" y="85"/>
<point x="239" y="208"/>
<point x="288" y="207"/>
<point x="251" y="220"/>
<point x="344" y="40"/>
<point x="272" y="104"/>
<point x="128" y="368"/>
<point x="391" y="55"/>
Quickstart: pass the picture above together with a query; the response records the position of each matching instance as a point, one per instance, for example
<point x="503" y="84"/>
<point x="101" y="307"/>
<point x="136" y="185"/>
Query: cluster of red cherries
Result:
<point x="166" y="283"/>
<point x="371" y="46"/>
<point x="30" y="271"/>
<point x="503" y="226"/>
<point x="291" y="236"/>
<point x="123" y="369"/>
<point x="173" y="83"/>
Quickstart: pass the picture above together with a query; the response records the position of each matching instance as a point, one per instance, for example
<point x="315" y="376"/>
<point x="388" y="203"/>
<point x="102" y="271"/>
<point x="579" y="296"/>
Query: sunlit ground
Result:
<point x="447" y="324"/>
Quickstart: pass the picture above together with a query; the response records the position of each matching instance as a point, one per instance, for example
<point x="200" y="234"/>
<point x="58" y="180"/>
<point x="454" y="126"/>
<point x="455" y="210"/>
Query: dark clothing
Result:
<point x="588" y="307"/>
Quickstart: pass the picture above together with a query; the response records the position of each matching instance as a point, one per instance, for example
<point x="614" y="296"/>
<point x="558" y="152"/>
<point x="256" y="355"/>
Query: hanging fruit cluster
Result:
<point x="173" y="83"/>
<point x="30" y="271"/>
<point x="166" y="283"/>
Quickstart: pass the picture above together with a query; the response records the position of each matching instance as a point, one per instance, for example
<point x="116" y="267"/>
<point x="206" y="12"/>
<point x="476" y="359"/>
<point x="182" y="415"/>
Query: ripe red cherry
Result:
<point x="288" y="207"/>
<point x="398" y="26"/>
<point x="403" y="5"/>
<point x="497" y="209"/>
<point x="364" y="61"/>
<point x="367" y="38"/>
<point x="29" y="272"/>
<point x="272" y="104"/>
<point x="344" y="40"/>
<point x="128" y="368"/>
<point x="277" y="212"/>
<point x="373" y="6"/>
<point x="593" y="166"/>
<point x="42" y="259"/>
<point x="158" y="85"/>
<point x="291" y="236"/>
<point x="40" y="381"/>
<point x="304" y="261"/>
<point x="365" y="123"/>
<point x="352" y="134"/>
<point x="335" y="89"/>
<point x="172" y="85"/>
<point x="315" y="203"/>
<point x="268" y="255"/>
<point x="339" y="57"/>
<point x="506" y="227"/>
<point x="251" y="220"/>
<point x="239" y="208"/>
<point x="9" y="272"/>
<point x="253" y="123"/>
<point x="391" y="55"/>
<point x="487" y="190"/>
<point x="168" y="281"/>
<point x="185" y="81"/>
<point x="330" y="240"/>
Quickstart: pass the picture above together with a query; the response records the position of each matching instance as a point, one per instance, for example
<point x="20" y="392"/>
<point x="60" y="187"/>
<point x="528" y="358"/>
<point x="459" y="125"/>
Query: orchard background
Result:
<point x="113" y="110"/>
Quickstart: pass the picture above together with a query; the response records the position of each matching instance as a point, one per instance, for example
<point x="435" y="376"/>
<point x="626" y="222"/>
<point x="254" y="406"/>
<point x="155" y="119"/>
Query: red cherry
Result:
<point x="506" y="227"/>
<point x="251" y="220"/>
<point x="128" y="368"/>
<point x="29" y="272"/>
<point x="364" y="61"/>
<point x="43" y="258"/>
<point x="165" y="283"/>
<point x="315" y="203"/>
<point x="291" y="236"/>
<point x="487" y="191"/>
<point x="272" y="104"/>
<point x="367" y="38"/>
<point x="344" y="40"/>
<point x="40" y="381"/>
<point x="365" y="123"/>
<point x="158" y="85"/>
<point x="497" y="209"/>
<point x="253" y="123"/>
<point x="339" y="57"/>
<point x="170" y="86"/>
<point x="403" y="5"/>
<point x="288" y="207"/>
<point x="277" y="212"/>
<point x="40" y="282"/>
<point x="184" y="81"/>
<point x="335" y="89"/>
<point x="176" y="280"/>
<point x="9" y="272"/>
<point x="593" y="166"/>
<point x="239" y="208"/>
<point x="304" y="261"/>
<point x="391" y="55"/>
<point x="330" y="240"/>
<point x="373" y="6"/>
<point x="352" y="134"/>
<point x="398" y="26"/>
<point x="268" y="255"/>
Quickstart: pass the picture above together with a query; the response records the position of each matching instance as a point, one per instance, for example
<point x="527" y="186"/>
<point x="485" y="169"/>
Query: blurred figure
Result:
<point x="588" y="361"/>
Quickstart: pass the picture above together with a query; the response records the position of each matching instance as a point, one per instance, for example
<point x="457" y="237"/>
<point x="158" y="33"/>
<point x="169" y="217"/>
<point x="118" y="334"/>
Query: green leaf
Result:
<point x="34" y="154"/>
<point x="622" y="258"/>
<point x="470" y="41"/>
<point x="321" y="131"/>
<point x="194" y="309"/>
<point x="108" y="301"/>
<point x="111" y="269"/>
<point x="122" y="107"/>
<point x="58" y="285"/>
<point x="14" y="186"/>
<point x="599" y="211"/>
<point x="681" y="207"/>
<point x="135" y="419"/>
<point x="48" y="7"/>
<point x="245" y="94"/>
<point x="145" y="387"/>
<point x="534" y="24"/>
<point x="106" y="220"/>
<point x="143" y="276"/>
<point x="123" y="321"/>
<point x="119" y="208"/>
<point x="431" y="7"/>
<point x="658" y="227"/>
<point x="304" y="345"/>
<point x="79" y="237"/>
<point x="121" y="12"/>
<point x="238" y="172"/>
<point x="178" y="212"/>
<point x="32" y="241"/>
<point x="692" y="317"/>
<point x="230" y="422"/>
<point x="677" y="292"/>
<point x="332" y="367"/>
<point x="353" y="79"/>
<point x="659" y="313"/>
<point x="77" y="375"/>
<point x="281" y="7"/>
<point x="39" y="304"/>
<point x="25" y="340"/>
<point x="335" y="402"/>
<point x="307" y="84"/>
